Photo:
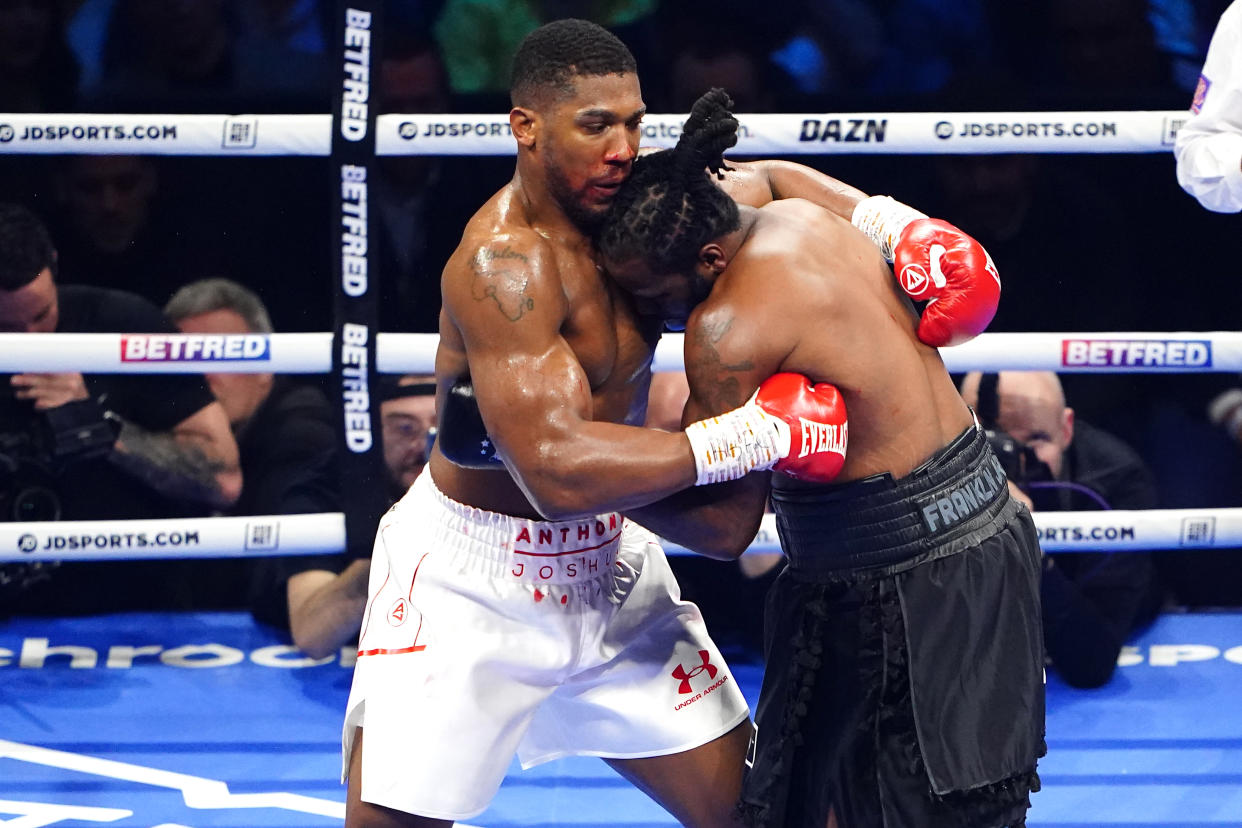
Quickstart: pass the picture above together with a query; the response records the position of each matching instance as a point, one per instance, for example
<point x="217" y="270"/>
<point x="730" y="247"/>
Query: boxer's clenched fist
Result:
<point x="937" y="263"/>
<point x="788" y="424"/>
<point x="818" y="427"/>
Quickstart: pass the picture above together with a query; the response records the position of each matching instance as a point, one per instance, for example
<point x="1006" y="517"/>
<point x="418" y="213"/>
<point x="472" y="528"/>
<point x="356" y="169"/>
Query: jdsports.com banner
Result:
<point x="488" y="134"/>
<point x="814" y="134"/>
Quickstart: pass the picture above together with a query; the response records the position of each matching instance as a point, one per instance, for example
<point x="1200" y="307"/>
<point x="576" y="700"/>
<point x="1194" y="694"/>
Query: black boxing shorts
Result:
<point x="904" y="678"/>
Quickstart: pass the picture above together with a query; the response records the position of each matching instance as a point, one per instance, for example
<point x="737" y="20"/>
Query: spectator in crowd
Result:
<point x="38" y="71"/>
<point x="106" y="445"/>
<point x="320" y="599"/>
<point x="324" y="598"/>
<point x="155" y="52"/>
<point x="1104" y="54"/>
<point x="735" y="53"/>
<point x="115" y="229"/>
<point x="284" y="429"/>
<point x="420" y="201"/>
<point x="1209" y="145"/>
<point x="749" y="75"/>
<point x="194" y="56"/>
<point x="301" y="26"/>
<point x="1092" y="602"/>
<point x="479" y="37"/>
<point x="1018" y="206"/>
<point x="408" y="419"/>
<point x="288" y="443"/>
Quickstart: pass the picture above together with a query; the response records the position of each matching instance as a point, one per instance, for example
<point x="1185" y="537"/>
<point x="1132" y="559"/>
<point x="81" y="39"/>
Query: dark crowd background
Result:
<point x="1094" y="242"/>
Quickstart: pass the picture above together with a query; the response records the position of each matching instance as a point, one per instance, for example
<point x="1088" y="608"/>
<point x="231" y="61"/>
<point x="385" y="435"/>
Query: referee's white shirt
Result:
<point x="1209" y="144"/>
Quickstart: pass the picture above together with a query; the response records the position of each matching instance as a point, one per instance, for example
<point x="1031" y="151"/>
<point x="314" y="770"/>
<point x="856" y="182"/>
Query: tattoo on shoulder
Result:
<point x="499" y="278"/>
<point x="721" y="384"/>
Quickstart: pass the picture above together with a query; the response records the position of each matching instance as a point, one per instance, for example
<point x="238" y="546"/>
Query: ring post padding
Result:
<point x="356" y="292"/>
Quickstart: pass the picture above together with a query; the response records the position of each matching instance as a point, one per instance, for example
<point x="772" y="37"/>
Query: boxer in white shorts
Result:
<point x="554" y="360"/>
<point x="486" y="635"/>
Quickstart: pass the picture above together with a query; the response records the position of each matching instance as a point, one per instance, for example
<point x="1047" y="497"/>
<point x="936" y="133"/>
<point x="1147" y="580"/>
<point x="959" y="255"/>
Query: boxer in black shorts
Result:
<point x="904" y="649"/>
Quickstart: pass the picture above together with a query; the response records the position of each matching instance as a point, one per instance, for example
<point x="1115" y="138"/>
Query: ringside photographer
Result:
<point x="1092" y="601"/>
<point x="103" y="446"/>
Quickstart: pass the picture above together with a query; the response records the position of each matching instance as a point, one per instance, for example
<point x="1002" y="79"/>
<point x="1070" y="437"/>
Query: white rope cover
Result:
<point x="309" y="353"/>
<point x="237" y="537"/>
<point x="488" y="134"/>
<point x="214" y="537"/>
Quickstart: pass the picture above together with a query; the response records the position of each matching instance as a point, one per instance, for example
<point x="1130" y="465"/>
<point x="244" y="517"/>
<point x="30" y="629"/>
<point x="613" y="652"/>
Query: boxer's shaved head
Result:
<point x="552" y="56"/>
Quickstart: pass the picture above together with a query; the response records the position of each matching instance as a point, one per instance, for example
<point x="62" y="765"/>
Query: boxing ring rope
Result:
<point x="239" y="537"/>
<point x="478" y="134"/>
<point x="1110" y="352"/>
<point x="404" y="353"/>
<point x="488" y="134"/>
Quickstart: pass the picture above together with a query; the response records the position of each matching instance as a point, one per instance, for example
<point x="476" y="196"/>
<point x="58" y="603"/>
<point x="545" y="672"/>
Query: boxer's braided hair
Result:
<point x="669" y="208"/>
<point x="552" y="56"/>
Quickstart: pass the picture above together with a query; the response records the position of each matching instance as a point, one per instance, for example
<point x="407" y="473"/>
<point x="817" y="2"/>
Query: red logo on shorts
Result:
<point x="679" y="672"/>
<point x="398" y="613"/>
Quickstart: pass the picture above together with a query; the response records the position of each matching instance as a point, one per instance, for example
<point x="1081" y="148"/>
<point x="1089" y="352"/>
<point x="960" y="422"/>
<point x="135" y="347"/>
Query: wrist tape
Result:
<point x="882" y="218"/>
<point x="736" y="443"/>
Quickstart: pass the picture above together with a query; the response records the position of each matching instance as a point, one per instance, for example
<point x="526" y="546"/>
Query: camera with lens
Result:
<point x="1020" y="462"/>
<point x="36" y="447"/>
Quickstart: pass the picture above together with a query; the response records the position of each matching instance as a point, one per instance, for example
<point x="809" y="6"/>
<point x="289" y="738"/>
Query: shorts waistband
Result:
<point x="882" y="522"/>
<point x="534" y="551"/>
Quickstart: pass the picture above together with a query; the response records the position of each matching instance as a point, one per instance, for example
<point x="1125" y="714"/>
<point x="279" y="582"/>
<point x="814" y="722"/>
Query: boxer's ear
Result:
<point x="524" y="124"/>
<point x="712" y="260"/>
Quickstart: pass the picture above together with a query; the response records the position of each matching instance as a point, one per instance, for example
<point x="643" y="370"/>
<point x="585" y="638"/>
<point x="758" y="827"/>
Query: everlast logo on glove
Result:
<point x="818" y="438"/>
<point x="817" y="421"/>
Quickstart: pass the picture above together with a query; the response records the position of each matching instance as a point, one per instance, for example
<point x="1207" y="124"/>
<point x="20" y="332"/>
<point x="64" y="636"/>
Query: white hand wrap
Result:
<point x="882" y="218"/>
<point x="737" y="442"/>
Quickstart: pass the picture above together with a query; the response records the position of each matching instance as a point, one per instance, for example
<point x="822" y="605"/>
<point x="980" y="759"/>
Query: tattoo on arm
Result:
<point x="494" y="280"/>
<point x="168" y="465"/>
<point x="721" y="386"/>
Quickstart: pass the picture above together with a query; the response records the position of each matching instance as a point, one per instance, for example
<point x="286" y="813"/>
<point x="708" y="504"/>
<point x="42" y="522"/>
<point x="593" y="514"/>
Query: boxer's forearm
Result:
<point x="758" y="182"/>
<point x="718" y="521"/>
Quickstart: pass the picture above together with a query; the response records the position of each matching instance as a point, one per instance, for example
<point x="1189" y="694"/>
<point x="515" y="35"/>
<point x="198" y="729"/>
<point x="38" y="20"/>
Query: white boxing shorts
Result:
<point x="487" y="635"/>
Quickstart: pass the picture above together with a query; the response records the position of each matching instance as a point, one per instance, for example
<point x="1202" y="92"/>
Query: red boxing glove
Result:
<point x="936" y="263"/>
<point x="817" y="423"/>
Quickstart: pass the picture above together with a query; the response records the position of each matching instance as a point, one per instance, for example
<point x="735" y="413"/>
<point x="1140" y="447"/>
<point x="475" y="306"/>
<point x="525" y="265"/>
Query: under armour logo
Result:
<point x="679" y="672"/>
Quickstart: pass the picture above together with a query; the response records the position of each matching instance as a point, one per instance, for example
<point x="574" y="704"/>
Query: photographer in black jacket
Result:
<point x="100" y="446"/>
<point x="1091" y="601"/>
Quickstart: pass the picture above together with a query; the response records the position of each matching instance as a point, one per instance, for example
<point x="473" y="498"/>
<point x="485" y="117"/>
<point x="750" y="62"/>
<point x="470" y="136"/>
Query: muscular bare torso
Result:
<point x="808" y="293"/>
<point x="589" y="322"/>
